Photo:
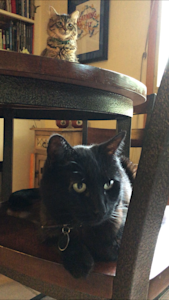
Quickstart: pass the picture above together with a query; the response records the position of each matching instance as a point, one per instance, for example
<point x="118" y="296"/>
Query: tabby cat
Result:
<point x="85" y="192"/>
<point x="62" y="32"/>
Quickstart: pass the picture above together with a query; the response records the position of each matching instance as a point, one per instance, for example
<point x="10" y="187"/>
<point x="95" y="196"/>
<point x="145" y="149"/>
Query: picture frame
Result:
<point x="93" y="22"/>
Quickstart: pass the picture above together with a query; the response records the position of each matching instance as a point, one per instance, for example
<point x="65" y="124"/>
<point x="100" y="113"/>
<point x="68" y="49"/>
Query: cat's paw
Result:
<point x="77" y="260"/>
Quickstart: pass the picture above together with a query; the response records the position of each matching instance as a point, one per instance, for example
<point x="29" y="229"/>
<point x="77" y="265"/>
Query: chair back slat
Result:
<point x="146" y="209"/>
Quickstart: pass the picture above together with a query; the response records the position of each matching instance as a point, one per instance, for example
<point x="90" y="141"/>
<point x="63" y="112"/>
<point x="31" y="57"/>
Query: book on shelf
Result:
<point x="27" y="7"/>
<point x="10" y="34"/>
<point x="8" y="5"/>
<point x="17" y="36"/>
<point x="7" y="39"/>
<point x="14" y="38"/>
<point x="1" y="39"/>
<point x="24" y="8"/>
<point x="13" y="6"/>
<point x="31" y="9"/>
<point x="18" y="7"/>
<point x="3" y="4"/>
<point x="4" y="39"/>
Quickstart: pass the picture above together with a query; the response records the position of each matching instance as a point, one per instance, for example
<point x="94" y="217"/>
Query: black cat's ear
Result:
<point x="115" y="145"/>
<point x="58" y="148"/>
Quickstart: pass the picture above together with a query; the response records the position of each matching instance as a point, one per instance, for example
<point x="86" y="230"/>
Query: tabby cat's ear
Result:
<point x="75" y="15"/>
<point x="115" y="145"/>
<point x="58" y="148"/>
<point x="52" y="11"/>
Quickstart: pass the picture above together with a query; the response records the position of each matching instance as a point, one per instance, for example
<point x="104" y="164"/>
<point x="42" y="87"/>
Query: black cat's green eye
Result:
<point x="79" y="187"/>
<point x="108" y="185"/>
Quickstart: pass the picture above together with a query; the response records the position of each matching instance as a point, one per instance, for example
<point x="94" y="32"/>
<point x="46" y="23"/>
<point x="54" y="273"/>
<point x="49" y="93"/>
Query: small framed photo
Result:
<point x="93" y="21"/>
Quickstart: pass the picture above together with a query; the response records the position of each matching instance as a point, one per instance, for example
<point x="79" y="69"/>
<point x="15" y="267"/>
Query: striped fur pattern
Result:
<point x="62" y="36"/>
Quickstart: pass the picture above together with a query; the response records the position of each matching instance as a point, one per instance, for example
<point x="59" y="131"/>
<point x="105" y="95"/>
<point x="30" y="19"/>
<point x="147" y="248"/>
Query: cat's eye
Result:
<point x="79" y="187"/>
<point x="70" y="25"/>
<point x="59" y="24"/>
<point x="108" y="185"/>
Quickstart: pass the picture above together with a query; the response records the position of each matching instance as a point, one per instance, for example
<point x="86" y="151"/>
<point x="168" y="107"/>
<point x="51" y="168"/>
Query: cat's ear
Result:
<point x="115" y="145"/>
<point x="58" y="148"/>
<point x="52" y="11"/>
<point x="75" y="15"/>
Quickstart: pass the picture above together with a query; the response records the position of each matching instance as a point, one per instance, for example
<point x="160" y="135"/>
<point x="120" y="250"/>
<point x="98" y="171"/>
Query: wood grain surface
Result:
<point x="17" y="64"/>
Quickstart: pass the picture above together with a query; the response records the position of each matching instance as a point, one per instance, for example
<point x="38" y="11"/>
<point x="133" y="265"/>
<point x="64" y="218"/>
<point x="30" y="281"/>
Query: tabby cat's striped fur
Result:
<point x="62" y="40"/>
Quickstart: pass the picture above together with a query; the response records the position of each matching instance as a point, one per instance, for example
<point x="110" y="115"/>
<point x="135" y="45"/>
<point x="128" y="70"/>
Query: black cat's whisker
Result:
<point x="116" y="214"/>
<point x="114" y="219"/>
<point x="122" y="207"/>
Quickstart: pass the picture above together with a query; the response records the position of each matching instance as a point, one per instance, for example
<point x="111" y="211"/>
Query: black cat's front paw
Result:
<point x="77" y="260"/>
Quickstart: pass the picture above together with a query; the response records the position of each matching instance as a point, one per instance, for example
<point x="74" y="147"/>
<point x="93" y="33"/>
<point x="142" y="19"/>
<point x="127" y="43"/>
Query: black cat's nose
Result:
<point x="99" y="213"/>
<point x="96" y="212"/>
<point x="98" y="207"/>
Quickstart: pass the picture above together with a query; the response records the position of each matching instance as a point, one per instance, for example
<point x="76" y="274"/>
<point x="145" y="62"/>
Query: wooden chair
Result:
<point x="25" y="260"/>
<point x="149" y="199"/>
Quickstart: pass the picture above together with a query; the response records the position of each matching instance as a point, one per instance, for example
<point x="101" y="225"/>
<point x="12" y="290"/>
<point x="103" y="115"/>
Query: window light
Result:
<point x="163" y="41"/>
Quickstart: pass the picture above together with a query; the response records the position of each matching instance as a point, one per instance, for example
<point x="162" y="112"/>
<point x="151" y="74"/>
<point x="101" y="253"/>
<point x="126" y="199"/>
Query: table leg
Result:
<point x="7" y="155"/>
<point x="125" y="124"/>
<point x="84" y="133"/>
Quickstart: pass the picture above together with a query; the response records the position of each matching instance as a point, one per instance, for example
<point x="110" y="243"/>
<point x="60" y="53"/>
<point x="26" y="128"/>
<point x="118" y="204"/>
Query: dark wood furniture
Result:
<point x="146" y="209"/>
<point x="34" y="87"/>
<point x="36" y="265"/>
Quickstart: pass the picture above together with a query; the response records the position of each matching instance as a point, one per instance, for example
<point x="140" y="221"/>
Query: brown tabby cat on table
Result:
<point x="62" y="40"/>
<point x="84" y="196"/>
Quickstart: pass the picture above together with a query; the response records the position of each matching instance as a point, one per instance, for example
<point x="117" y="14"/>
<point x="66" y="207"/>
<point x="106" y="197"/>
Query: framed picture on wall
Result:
<point x="93" y="21"/>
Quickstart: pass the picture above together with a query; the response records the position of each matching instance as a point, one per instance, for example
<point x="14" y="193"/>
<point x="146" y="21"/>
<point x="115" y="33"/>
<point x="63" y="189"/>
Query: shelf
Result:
<point x="6" y="15"/>
<point x="67" y="129"/>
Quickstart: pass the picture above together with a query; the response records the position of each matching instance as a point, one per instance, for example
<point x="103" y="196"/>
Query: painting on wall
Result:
<point x="92" y="24"/>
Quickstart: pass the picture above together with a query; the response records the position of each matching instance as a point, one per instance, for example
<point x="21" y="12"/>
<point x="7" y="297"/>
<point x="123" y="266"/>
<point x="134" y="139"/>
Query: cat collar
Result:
<point x="64" y="239"/>
<point x="60" y="41"/>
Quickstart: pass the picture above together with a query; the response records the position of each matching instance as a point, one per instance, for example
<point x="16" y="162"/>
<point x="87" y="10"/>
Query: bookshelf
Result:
<point x="17" y="31"/>
<point x="6" y="16"/>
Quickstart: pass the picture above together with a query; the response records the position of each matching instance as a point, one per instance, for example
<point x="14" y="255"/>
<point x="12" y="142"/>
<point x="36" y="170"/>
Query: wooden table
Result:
<point x="34" y="87"/>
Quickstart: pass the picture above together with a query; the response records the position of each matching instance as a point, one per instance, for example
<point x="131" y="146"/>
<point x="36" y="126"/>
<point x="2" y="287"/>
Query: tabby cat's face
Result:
<point x="63" y="27"/>
<point x="82" y="185"/>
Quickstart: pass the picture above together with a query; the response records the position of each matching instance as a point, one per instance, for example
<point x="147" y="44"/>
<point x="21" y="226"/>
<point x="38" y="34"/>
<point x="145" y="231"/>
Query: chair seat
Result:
<point x="21" y="235"/>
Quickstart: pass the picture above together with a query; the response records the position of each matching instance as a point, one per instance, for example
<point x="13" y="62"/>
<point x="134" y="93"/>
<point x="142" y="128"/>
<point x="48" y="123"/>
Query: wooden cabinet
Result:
<point x="16" y="31"/>
<point x="73" y="136"/>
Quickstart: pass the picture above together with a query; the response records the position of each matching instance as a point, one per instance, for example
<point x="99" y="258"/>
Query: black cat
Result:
<point x="83" y="201"/>
<point x="25" y="204"/>
<point x="85" y="192"/>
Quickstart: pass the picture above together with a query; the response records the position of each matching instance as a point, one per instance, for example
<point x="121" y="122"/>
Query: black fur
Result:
<point x="21" y="200"/>
<point x="95" y="217"/>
